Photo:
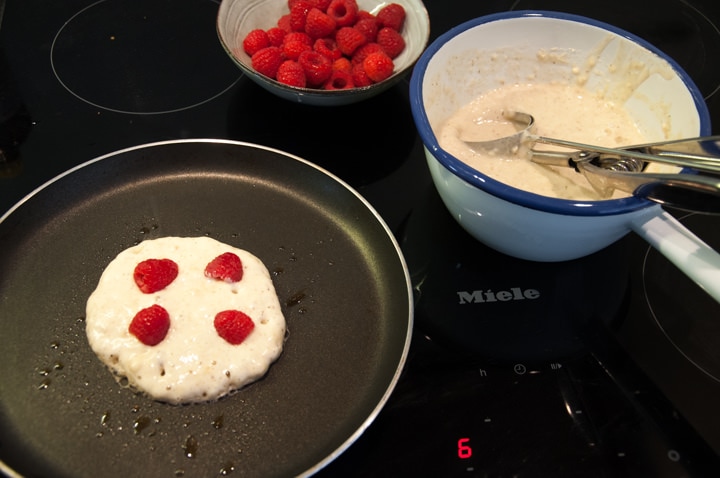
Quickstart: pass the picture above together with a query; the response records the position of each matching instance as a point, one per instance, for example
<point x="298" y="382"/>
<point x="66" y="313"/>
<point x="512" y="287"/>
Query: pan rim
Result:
<point x="6" y="469"/>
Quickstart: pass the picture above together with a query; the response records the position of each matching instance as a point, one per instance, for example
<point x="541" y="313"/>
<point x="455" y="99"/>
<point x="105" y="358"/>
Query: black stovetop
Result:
<point x="614" y="372"/>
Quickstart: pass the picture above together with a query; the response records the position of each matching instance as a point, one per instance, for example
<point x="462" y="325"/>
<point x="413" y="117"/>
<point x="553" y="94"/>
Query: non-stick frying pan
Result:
<point x="337" y="269"/>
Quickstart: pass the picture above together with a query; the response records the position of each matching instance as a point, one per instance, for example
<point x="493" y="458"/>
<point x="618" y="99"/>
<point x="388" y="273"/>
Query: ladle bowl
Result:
<point x="687" y="152"/>
<point x="608" y="169"/>
<point x="508" y="48"/>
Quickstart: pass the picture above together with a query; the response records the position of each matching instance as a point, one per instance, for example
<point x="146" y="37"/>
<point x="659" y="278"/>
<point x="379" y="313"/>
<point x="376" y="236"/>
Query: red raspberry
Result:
<point x="226" y="267"/>
<point x="291" y="73"/>
<point x="342" y="64"/>
<point x="150" y="325"/>
<point x="317" y="67"/>
<point x="298" y="15"/>
<point x="298" y="36"/>
<point x="319" y="24"/>
<point x="349" y="39"/>
<point x="152" y="275"/>
<point x="276" y="36"/>
<point x="339" y="80"/>
<point x="322" y="5"/>
<point x="233" y="326"/>
<point x="368" y="27"/>
<point x="391" y="41"/>
<point x="344" y="12"/>
<point x="360" y="78"/>
<point x="327" y="47"/>
<point x="363" y="52"/>
<point x="284" y="23"/>
<point x="255" y="41"/>
<point x="267" y="61"/>
<point x="378" y="66"/>
<point x="363" y="14"/>
<point x="292" y="49"/>
<point x="392" y="16"/>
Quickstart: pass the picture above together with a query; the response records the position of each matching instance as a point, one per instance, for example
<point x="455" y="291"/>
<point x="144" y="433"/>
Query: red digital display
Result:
<point x="464" y="450"/>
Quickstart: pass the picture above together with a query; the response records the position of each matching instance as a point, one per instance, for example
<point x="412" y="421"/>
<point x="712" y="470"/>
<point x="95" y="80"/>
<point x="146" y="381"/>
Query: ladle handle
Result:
<point x="702" y="147"/>
<point x="690" y="192"/>
<point x="688" y="252"/>
<point x="684" y="153"/>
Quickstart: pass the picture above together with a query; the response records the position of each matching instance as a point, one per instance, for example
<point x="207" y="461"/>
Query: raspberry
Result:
<point x="255" y="41"/>
<point x="298" y="36"/>
<point x="378" y="66"/>
<point x="368" y="27"/>
<point x="360" y="78"/>
<point x="298" y="15"/>
<point x="152" y="275"/>
<point x="392" y="16"/>
<point x="339" y="80"/>
<point x="276" y="36"/>
<point x="284" y="23"/>
<point x="150" y="325"/>
<point x="291" y="73"/>
<point x="226" y="267"/>
<point x="363" y="52"/>
<point x="319" y="24"/>
<point x="342" y="64"/>
<point x="364" y="14"/>
<point x="317" y="67"/>
<point x="349" y="39"/>
<point x="233" y="326"/>
<point x="292" y="49"/>
<point x="327" y="47"/>
<point x="391" y="41"/>
<point x="267" y="61"/>
<point x="344" y="12"/>
<point x="321" y="5"/>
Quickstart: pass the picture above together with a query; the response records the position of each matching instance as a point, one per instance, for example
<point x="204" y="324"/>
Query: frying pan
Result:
<point x="337" y="269"/>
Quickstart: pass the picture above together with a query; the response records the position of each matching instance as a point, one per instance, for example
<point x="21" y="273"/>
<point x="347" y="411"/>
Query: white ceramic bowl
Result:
<point x="236" y="18"/>
<point x="456" y="68"/>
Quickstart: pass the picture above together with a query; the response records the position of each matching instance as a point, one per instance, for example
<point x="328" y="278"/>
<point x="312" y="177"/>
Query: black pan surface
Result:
<point x="337" y="269"/>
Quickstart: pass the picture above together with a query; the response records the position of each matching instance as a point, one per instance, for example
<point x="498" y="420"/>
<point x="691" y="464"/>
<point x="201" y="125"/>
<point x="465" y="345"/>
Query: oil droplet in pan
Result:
<point x="218" y="422"/>
<point x="295" y="299"/>
<point x="190" y="447"/>
<point x="105" y="418"/>
<point x="227" y="469"/>
<point x="140" y="424"/>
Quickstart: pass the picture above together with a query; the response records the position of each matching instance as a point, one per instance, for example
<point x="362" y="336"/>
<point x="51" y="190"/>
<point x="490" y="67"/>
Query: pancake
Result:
<point x="192" y="362"/>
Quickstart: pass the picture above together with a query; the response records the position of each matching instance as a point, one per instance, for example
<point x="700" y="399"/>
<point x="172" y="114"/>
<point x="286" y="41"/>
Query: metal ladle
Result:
<point x="607" y="169"/>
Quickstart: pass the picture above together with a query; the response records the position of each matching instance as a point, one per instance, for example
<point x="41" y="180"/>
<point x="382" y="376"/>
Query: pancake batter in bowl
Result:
<point x="562" y="111"/>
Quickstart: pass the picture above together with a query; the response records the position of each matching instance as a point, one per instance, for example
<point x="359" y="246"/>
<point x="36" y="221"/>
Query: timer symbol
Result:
<point x="519" y="369"/>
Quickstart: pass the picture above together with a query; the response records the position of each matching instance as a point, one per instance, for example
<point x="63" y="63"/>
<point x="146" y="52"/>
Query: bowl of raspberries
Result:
<point x="324" y="52"/>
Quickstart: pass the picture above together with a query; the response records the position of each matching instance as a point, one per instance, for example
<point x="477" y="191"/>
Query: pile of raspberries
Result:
<point x="328" y="44"/>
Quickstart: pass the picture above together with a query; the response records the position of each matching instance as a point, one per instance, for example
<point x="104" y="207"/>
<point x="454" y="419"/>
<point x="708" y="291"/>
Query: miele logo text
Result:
<point x="484" y="296"/>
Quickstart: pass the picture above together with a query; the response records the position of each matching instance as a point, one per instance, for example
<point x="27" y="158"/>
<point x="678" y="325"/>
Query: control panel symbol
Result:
<point x="519" y="369"/>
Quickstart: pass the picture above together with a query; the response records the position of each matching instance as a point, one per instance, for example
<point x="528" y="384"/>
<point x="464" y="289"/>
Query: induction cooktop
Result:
<point x="603" y="366"/>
